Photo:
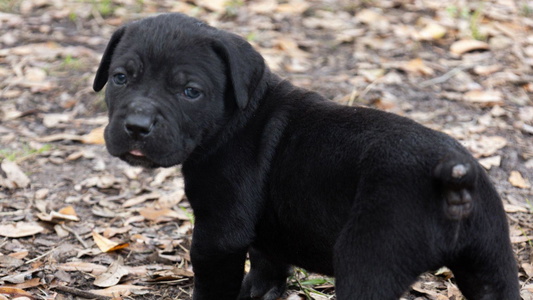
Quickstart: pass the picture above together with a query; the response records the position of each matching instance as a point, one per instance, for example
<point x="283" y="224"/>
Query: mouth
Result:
<point x="136" y="157"/>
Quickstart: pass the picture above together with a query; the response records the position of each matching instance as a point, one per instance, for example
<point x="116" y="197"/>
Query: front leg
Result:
<point x="217" y="258"/>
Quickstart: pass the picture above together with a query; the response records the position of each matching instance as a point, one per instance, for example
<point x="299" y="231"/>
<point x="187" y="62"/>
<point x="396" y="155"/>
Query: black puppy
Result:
<point x="278" y="171"/>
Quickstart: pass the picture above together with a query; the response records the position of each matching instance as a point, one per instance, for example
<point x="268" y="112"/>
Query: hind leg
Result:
<point x="487" y="270"/>
<point x="266" y="280"/>
<point x="487" y="279"/>
<point x="379" y="253"/>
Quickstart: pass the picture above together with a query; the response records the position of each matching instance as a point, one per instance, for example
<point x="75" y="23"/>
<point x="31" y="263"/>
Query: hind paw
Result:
<point x="256" y="287"/>
<point x="458" y="204"/>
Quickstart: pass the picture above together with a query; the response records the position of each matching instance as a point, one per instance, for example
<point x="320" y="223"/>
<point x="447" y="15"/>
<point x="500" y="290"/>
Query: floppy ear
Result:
<point x="245" y="65"/>
<point x="103" y="70"/>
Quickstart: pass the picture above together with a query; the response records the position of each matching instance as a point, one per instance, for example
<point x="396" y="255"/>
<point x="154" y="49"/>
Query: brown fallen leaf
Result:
<point x="166" y="214"/>
<point x="119" y="290"/>
<point x="463" y="46"/>
<point x="14" y="292"/>
<point x="10" y="262"/>
<point x="81" y="266"/>
<point x="432" y="31"/>
<point x="417" y="66"/>
<point x="212" y="5"/>
<point x="111" y="231"/>
<point x="107" y="245"/>
<point x="510" y="208"/>
<point x="484" y="98"/>
<point x="263" y="6"/>
<point x="67" y="213"/>
<point x="296" y="7"/>
<point x="20" y="229"/>
<point x="16" y="178"/>
<point x="20" y="254"/>
<point x="112" y="275"/>
<point x="173" y="274"/>
<point x="517" y="180"/>
<point x="95" y="137"/>
<point x="521" y="239"/>
<point x="140" y="199"/>
<point x="34" y="282"/>
<point x="489" y="162"/>
<point x="485" y="145"/>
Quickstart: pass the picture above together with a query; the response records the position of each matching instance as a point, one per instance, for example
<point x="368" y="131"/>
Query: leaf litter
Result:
<point x="76" y="222"/>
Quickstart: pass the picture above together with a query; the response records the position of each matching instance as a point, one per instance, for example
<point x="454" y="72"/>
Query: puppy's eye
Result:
<point x="192" y="93"/>
<point x="120" y="79"/>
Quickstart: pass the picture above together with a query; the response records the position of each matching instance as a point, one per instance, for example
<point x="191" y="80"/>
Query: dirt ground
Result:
<point x="76" y="223"/>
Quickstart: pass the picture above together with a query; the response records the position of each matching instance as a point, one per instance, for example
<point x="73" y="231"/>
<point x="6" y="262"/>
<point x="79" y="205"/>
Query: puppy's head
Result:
<point x="173" y="82"/>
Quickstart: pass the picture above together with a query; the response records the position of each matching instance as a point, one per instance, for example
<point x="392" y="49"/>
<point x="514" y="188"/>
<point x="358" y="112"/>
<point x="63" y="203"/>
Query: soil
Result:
<point x="73" y="218"/>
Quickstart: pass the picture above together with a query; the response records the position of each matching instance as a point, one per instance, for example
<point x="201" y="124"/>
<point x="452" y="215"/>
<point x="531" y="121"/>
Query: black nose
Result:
<point x="138" y="125"/>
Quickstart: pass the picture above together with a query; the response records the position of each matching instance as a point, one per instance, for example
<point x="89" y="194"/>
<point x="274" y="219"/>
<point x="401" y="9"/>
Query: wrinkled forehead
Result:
<point x="161" y="41"/>
<point x="162" y="46"/>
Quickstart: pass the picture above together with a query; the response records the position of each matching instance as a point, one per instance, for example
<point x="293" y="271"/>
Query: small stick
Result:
<point x="444" y="77"/>
<point x="80" y="293"/>
<point x="40" y="256"/>
<point x="78" y="237"/>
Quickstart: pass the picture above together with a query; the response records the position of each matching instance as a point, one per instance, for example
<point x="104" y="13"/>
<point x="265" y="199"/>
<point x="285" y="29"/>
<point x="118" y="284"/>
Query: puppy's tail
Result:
<point x="457" y="176"/>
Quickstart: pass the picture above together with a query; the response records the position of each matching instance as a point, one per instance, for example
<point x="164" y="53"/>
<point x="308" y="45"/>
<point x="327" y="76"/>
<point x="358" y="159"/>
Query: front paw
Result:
<point x="256" y="286"/>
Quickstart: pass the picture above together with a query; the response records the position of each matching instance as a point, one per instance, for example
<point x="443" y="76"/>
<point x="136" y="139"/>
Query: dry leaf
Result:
<point x="463" y="46"/>
<point x="7" y="261"/>
<point x="20" y="229"/>
<point x="110" y="231"/>
<point x="67" y="213"/>
<point x="484" y="98"/>
<point x="487" y="70"/>
<point x="172" y="199"/>
<point x="20" y="254"/>
<point x="510" y="208"/>
<point x="52" y="120"/>
<point x="369" y="17"/>
<point x="172" y="274"/>
<point x="296" y="7"/>
<point x="432" y="31"/>
<point x="521" y="239"/>
<point x="15" y="176"/>
<point x="263" y="6"/>
<point x="485" y="145"/>
<point x="290" y="47"/>
<point x="14" y="292"/>
<point x="161" y="215"/>
<point x="490" y="162"/>
<point x="80" y="266"/>
<point x="112" y="275"/>
<point x="518" y="181"/>
<point x="95" y="137"/>
<point x="140" y="199"/>
<point x="35" y="75"/>
<point x="119" y="290"/>
<point x="107" y="245"/>
<point x="417" y="66"/>
<point x="212" y="5"/>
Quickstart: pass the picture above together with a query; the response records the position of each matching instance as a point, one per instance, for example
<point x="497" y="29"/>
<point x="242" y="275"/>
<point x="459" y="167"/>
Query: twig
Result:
<point x="40" y="256"/>
<point x="78" y="237"/>
<point x="367" y="89"/>
<point x="80" y="293"/>
<point x="445" y="77"/>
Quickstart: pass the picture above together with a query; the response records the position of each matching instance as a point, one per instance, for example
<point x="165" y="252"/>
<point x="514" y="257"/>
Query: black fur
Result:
<point x="372" y="198"/>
